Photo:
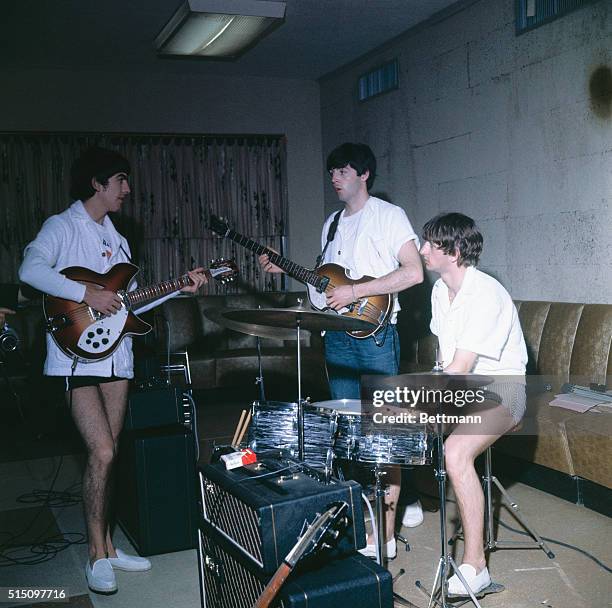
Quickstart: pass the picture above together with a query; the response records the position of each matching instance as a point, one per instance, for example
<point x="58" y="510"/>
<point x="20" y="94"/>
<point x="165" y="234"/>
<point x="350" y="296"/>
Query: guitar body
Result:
<point x="80" y="331"/>
<point x="373" y="309"/>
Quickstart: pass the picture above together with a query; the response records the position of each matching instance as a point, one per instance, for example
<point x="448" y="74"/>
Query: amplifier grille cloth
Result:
<point x="227" y="584"/>
<point x="234" y="519"/>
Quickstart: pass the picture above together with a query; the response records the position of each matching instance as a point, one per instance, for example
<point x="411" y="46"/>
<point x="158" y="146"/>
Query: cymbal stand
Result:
<point x="300" y="405"/>
<point x="260" y="378"/>
<point x="439" y="592"/>
<point x="379" y="494"/>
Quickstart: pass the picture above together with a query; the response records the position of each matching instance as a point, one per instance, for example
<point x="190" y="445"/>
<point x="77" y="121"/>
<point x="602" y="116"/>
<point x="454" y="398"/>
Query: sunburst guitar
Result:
<point x="375" y="310"/>
<point x="82" y="332"/>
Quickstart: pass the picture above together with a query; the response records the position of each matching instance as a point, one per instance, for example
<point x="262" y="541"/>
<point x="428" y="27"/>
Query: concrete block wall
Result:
<point x="508" y="129"/>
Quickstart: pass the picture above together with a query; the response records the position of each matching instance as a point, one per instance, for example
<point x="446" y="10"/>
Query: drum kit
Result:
<point x="338" y="430"/>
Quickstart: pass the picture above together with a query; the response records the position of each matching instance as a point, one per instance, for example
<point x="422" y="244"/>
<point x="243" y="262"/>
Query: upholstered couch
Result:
<point x="566" y="343"/>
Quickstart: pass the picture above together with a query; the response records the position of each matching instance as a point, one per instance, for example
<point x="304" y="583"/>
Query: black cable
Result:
<point x="50" y="547"/>
<point x="46" y="498"/>
<point x="547" y="539"/>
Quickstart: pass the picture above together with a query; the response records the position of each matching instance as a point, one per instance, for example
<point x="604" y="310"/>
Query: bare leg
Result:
<point x="98" y="413"/>
<point x="114" y="400"/>
<point x="461" y="449"/>
<point x="91" y="421"/>
<point x="394" y="478"/>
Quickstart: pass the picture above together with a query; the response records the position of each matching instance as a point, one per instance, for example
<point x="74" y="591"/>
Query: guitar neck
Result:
<point x="291" y="268"/>
<point x="152" y="292"/>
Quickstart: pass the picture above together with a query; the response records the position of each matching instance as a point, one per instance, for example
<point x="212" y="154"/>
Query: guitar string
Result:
<point x="369" y="307"/>
<point x="84" y="310"/>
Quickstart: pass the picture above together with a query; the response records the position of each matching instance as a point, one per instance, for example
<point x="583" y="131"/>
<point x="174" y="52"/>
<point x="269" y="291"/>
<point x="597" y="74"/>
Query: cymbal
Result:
<point x="289" y="318"/>
<point x="262" y="331"/>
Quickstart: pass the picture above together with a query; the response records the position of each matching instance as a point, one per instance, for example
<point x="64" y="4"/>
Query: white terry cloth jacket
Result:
<point x="73" y="238"/>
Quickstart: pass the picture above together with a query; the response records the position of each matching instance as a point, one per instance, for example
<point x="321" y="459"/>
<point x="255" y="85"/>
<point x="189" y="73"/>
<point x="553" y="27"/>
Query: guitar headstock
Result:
<point x="222" y="270"/>
<point x="219" y="225"/>
<point x="322" y="533"/>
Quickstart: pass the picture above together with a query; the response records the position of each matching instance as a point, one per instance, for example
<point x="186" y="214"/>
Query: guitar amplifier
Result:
<point x="157" y="490"/>
<point x="262" y="513"/>
<point x="152" y="408"/>
<point x="228" y="580"/>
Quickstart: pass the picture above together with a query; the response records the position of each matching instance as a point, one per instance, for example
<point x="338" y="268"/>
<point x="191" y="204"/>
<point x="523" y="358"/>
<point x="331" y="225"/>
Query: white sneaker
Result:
<point x="413" y="515"/>
<point x="100" y="577"/>
<point x="476" y="582"/>
<point x="129" y="563"/>
<point x="389" y="550"/>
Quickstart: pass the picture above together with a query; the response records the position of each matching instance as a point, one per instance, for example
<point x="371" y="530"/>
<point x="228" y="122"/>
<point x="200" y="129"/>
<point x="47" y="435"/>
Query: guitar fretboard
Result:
<point x="144" y="294"/>
<point x="291" y="268"/>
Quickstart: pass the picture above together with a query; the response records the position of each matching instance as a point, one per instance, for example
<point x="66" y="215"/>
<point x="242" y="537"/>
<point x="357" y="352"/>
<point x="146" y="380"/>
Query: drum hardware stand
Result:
<point x="488" y="479"/>
<point x="260" y="378"/>
<point x="439" y="591"/>
<point x="300" y="405"/>
<point x="380" y="492"/>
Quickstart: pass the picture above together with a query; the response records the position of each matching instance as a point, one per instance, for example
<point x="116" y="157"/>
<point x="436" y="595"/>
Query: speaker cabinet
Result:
<point x="156" y="490"/>
<point x="229" y="580"/>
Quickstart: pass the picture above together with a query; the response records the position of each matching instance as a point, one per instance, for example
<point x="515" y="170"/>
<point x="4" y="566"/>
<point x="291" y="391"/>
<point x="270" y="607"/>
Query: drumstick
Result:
<point x="247" y="420"/>
<point x="238" y="427"/>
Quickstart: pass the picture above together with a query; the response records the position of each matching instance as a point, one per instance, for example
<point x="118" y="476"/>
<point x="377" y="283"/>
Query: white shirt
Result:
<point x="481" y="319"/>
<point x="381" y="231"/>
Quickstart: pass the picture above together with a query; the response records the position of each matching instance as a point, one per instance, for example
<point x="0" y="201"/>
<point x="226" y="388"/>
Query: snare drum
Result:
<point x="408" y="445"/>
<point x="274" y="426"/>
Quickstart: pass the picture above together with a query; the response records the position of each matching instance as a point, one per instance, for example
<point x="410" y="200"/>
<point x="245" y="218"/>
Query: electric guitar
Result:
<point x="376" y="310"/>
<point x="323" y="530"/>
<point x="82" y="332"/>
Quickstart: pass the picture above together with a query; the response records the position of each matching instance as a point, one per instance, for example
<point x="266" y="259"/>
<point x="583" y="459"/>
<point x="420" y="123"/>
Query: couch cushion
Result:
<point x="543" y="437"/>
<point x="533" y="318"/>
<point x="279" y="367"/>
<point x="591" y="353"/>
<point x="589" y="437"/>
<point x="183" y="322"/>
<point x="555" y="352"/>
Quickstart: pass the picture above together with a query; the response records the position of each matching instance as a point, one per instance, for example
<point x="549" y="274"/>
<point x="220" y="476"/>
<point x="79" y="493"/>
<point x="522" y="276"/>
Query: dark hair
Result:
<point x="97" y="163"/>
<point x="358" y="156"/>
<point x="455" y="232"/>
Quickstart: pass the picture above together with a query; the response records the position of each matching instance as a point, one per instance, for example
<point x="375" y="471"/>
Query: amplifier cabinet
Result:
<point x="228" y="580"/>
<point x="157" y="490"/>
<point x="160" y="407"/>
<point x="263" y="515"/>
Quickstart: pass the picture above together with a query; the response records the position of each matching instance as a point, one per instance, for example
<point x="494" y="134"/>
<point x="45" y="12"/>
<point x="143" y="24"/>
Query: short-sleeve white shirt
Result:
<point x="381" y="231"/>
<point x="481" y="319"/>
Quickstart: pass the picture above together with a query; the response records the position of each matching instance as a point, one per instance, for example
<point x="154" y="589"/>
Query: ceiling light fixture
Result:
<point x="221" y="29"/>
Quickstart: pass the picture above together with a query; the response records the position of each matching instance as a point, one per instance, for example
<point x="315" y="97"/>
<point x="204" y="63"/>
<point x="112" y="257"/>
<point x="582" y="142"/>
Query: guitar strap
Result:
<point x="127" y="255"/>
<point x="331" y="233"/>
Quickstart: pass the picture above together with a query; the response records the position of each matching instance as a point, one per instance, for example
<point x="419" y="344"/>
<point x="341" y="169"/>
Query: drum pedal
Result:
<point x="404" y="541"/>
<point x="492" y="588"/>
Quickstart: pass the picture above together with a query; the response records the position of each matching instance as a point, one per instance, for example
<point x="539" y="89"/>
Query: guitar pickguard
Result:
<point x="101" y="335"/>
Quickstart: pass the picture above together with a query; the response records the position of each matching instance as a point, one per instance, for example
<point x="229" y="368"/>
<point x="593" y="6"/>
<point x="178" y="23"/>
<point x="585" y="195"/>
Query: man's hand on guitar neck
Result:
<point x="198" y="278"/>
<point x="103" y="300"/>
<point x="266" y="265"/>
